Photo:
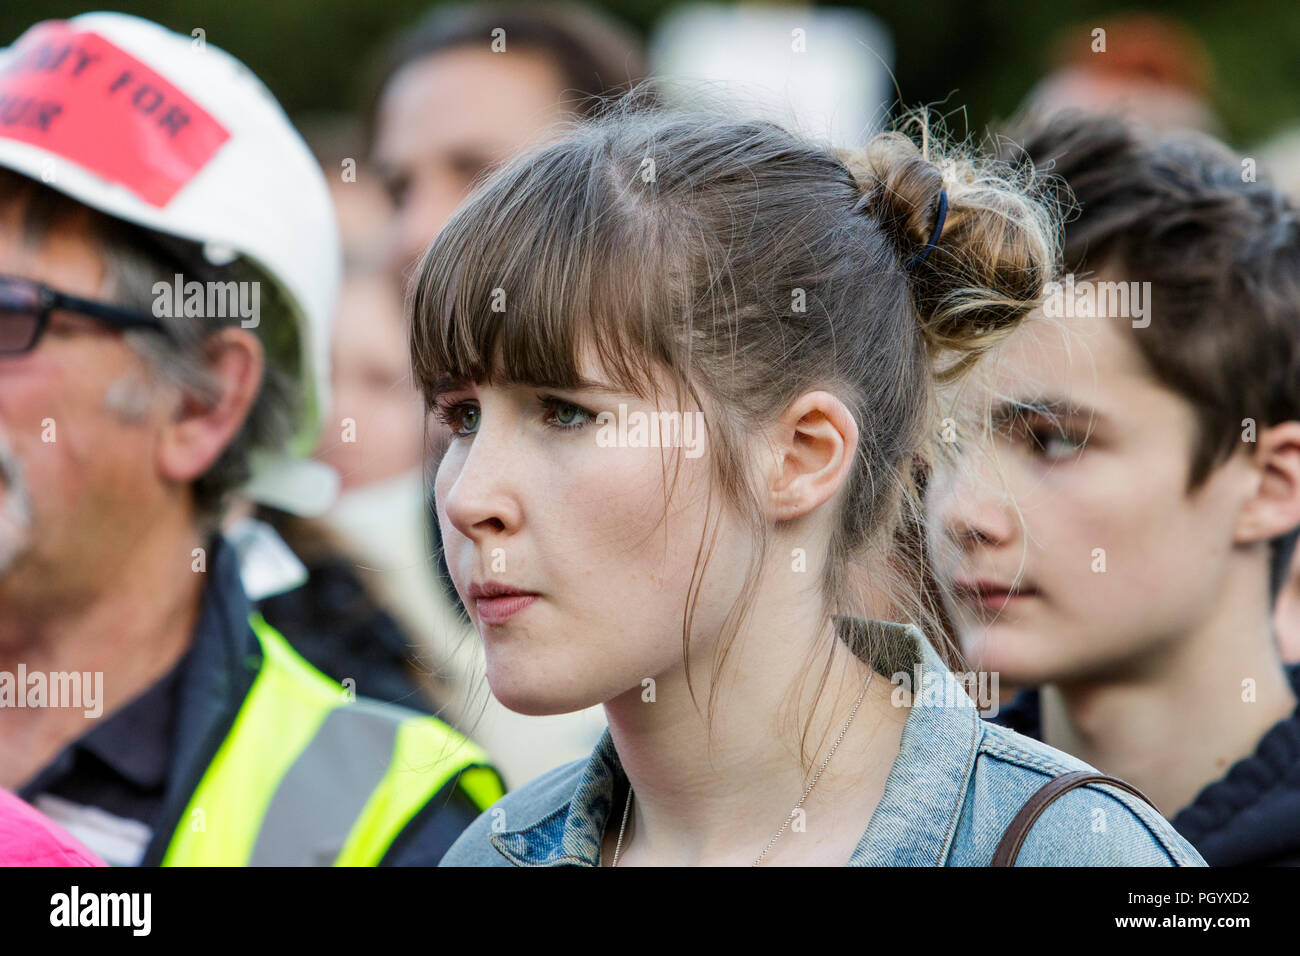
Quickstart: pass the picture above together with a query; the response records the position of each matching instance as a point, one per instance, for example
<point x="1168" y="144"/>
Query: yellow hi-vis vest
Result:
<point x="307" y="776"/>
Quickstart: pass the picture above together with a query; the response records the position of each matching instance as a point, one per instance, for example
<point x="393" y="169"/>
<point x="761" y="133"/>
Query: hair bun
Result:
<point x="998" y="246"/>
<point x="899" y="189"/>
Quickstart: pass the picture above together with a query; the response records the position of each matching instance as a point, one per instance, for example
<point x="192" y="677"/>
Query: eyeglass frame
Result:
<point x="49" y="299"/>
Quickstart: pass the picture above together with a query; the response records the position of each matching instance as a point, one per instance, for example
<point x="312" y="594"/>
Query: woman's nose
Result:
<point x="482" y="497"/>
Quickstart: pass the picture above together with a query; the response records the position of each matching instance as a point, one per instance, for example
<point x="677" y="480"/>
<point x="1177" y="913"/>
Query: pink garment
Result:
<point x="29" y="838"/>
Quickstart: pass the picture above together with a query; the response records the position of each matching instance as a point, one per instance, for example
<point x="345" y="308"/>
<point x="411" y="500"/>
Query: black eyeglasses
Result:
<point x="25" y="307"/>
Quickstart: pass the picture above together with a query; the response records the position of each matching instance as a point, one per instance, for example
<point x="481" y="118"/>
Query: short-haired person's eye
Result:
<point x="1056" y="445"/>
<point x="1042" y="437"/>
<point x="1052" y="443"/>
<point x="461" y="417"/>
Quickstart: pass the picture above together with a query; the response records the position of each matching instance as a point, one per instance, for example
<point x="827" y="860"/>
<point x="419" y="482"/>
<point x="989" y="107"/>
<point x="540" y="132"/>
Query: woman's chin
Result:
<point x="532" y="700"/>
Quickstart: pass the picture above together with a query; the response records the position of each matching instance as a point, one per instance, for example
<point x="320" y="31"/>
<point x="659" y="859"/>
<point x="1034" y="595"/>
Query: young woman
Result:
<point x="689" y="365"/>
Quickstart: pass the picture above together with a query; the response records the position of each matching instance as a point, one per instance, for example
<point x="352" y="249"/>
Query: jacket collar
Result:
<point x="224" y="658"/>
<point x="914" y="823"/>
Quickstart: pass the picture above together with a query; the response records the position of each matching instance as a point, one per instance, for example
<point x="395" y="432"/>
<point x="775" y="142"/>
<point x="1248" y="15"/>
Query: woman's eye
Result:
<point x="462" y="418"/>
<point x="567" y="415"/>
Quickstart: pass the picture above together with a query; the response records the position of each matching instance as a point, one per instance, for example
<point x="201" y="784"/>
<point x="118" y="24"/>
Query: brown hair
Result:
<point x="681" y="241"/>
<point x="1222" y="255"/>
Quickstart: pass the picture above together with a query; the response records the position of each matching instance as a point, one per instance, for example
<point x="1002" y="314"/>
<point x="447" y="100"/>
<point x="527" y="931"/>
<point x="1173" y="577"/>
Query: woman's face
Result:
<point x="371" y="386"/>
<point x="533" y="496"/>
<point x="1088" y="518"/>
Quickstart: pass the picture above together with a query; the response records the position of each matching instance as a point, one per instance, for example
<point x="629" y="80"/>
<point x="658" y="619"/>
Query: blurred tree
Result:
<point x="976" y="58"/>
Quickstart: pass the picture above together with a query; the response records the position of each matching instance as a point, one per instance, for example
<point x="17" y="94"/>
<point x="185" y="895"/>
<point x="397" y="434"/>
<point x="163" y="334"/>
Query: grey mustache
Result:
<point x="13" y="482"/>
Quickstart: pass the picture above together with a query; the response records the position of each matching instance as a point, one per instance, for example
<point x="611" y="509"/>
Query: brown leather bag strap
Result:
<point x="1009" y="847"/>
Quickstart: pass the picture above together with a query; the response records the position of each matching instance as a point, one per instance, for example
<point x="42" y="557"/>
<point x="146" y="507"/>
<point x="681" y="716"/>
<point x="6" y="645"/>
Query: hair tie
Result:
<point x="934" y="236"/>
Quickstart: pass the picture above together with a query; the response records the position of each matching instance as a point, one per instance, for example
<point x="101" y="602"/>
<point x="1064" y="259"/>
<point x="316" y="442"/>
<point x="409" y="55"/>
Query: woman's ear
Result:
<point x="1274" y="508"/>
<point x="815" y="444"/>
<point x="198" y="432"/>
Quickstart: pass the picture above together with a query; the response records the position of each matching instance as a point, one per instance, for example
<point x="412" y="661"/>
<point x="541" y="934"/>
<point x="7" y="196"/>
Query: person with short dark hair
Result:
<point x="1118" y="543"/>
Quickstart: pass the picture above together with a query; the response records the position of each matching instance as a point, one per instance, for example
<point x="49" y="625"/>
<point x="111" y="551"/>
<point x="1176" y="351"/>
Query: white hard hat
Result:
<point x="172" y="134"/>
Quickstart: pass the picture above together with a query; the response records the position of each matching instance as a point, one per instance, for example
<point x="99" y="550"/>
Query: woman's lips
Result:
<point x="498" y="610"/>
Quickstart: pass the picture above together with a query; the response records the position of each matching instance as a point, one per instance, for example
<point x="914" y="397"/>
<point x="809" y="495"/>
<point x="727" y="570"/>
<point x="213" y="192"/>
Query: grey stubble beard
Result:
<point x="15" y="507"/>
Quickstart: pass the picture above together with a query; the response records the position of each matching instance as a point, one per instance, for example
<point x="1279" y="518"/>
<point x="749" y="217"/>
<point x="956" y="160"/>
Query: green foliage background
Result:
<point x="979" y="54"/>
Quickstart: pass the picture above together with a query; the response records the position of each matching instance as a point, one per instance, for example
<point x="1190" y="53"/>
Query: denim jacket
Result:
<point x="955" y="786"/>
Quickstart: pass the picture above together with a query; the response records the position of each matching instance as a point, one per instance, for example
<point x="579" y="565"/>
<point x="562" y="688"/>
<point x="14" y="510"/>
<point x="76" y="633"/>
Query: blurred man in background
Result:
<point x="472" y="84"/>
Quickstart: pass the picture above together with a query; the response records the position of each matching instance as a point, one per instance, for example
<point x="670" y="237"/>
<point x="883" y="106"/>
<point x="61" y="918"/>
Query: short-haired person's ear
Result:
<point x="816" y="440"/>
<point x="199" y="431"/>
<point x="1274" y="508"/>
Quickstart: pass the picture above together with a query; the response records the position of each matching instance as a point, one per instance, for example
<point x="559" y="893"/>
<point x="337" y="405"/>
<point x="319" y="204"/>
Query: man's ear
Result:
<point x="1274" y="508"/>
<point x="198" y="432"/>
<point x="816" y="441"/>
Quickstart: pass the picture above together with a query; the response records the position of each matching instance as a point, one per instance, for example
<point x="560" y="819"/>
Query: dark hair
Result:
<point x="1222" y="255"/>
<point x="751" y="266"/>
<point x="596" y="56"/>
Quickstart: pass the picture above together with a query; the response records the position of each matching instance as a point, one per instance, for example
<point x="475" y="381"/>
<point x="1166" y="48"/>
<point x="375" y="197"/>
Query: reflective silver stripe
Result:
<point x="327" y="787"/>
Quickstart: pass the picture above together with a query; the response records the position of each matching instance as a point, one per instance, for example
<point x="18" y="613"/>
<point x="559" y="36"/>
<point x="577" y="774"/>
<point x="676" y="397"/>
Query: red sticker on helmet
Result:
<point x="73" y="93"/>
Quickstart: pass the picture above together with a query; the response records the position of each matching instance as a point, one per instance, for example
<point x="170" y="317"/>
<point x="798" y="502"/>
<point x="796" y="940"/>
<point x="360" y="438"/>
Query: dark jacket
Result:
<point x="333" y="622"/>
<point x="1248" y="817"/>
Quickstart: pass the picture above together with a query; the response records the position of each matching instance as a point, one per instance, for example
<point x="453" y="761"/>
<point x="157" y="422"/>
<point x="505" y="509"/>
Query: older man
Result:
<point x="167" y="268"/>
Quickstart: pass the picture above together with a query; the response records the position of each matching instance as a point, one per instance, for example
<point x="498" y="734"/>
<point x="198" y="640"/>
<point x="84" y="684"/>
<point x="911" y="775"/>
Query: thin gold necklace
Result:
<point x="618" y="849"/>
